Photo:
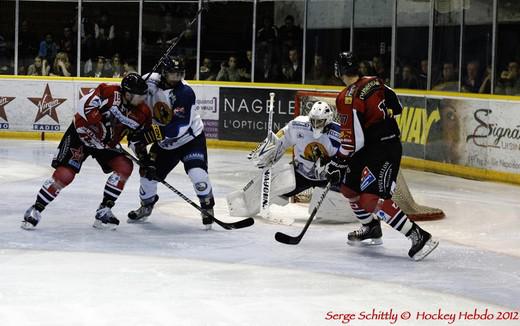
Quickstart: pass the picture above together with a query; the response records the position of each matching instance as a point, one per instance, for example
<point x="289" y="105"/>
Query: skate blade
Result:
<point x="207" y="227"/>
<point x="429" y="246"/>
<point x="104" y="226"/>
<point x="137" y="221"/>
<point x="27" y="226"/>
<point x="366" y="242"/>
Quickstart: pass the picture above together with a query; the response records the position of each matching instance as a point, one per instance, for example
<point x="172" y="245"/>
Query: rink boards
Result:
<point x="475" y="136"/>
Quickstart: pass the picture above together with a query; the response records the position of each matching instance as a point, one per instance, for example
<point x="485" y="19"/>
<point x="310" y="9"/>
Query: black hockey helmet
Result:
<point x="133" y="83"/>
<point x="173" y="64"/>
<point x="346" y="64"/>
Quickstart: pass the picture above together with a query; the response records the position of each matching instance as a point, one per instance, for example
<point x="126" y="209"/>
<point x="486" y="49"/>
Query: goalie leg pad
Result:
<point x="246" y="202"/>
<point x="333" y="209"/>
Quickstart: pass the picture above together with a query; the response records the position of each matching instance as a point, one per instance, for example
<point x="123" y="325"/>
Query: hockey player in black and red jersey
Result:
<point x="369" y="157"/>
<point x="102" y="119"/>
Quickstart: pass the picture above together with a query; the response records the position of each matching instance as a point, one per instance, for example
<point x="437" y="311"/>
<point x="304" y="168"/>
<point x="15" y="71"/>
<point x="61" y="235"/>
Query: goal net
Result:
<point x="402" y="195"/>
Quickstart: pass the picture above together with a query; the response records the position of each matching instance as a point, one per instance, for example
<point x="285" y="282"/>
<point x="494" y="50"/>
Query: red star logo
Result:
<point x="77" y="154"/>
<point x="47" y="105"/>
<point x="3" y="102"/>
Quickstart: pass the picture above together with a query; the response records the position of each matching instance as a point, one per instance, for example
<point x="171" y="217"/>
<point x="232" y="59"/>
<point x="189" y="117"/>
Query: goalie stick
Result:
<point x="266" y="172"/>
<point x="287" y="239"/>
<point x="176" y="40"/>
<point x="228" y="226"/>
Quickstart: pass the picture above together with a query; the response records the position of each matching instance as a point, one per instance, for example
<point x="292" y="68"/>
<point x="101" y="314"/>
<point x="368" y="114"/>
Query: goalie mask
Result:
<point x="320" y="115"/>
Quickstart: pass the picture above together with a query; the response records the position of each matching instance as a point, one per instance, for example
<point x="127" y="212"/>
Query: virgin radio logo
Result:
<point x="47" y="106"/>
<point x="4" y="100"/>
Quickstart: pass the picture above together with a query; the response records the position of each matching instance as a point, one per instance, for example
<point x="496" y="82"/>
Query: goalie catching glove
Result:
<point x="336" y="169"/>
<point x="267" y="152"/>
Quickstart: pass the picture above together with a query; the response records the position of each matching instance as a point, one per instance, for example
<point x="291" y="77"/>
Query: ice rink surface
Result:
<point x="171" y="272"/>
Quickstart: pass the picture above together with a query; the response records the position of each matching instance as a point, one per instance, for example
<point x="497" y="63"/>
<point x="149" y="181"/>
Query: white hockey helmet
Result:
<point x="320" y="115"/>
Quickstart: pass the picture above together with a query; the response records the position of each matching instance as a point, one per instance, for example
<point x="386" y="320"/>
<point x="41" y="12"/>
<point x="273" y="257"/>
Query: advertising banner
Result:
<point x="207" y="105"/>
<point x="243" y="112"/>
<point x="35" y="105"/>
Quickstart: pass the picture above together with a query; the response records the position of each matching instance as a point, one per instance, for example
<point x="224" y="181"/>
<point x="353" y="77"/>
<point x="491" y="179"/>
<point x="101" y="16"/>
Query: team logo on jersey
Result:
<point x="162" y="113"/>
<point x="367" y="178"/>
<point x="314" y="151"/>
<point x="201" y="186"/>
<point x="46" y="107"/>
<point x="77" y="157"/>
<point x="3" y="102"/>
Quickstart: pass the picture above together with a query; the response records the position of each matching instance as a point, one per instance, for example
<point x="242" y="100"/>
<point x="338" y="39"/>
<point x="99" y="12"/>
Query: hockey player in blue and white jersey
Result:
<point x="314" y="138"/>
<point x="172" y="101"/>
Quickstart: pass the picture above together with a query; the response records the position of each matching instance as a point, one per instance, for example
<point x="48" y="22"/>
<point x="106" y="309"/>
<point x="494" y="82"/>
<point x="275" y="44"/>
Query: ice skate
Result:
<point x="368" y="235"/>
<point x="207" y="221"/>
<point x="422" y="243"/>
<point x="31" y="218"/>
<point x="141" y="214"/>
<point x="105" y="219"/>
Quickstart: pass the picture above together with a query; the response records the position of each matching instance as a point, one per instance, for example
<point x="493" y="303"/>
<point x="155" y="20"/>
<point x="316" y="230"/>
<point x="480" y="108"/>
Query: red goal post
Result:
<point x="402" y="195"/>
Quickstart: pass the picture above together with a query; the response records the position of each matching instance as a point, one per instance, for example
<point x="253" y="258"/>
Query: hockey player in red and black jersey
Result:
<point x="103" y="117"/>
<point x="369" y="157"/>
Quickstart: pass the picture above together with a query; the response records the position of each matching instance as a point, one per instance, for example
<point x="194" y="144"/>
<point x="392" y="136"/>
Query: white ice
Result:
<point x="171" y="272"/>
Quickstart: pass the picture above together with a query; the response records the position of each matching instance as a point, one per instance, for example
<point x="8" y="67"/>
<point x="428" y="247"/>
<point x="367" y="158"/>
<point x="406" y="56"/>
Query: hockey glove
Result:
<point x="148" y="136"/>
<point x="336" y="170"/>
<point x="266" y="153"/>
<point x="148" y="169"/>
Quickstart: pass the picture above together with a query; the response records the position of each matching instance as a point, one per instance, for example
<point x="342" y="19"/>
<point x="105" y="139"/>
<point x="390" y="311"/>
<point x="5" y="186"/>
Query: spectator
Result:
<point x="267" y="71"/>
<point x="485" y="87"/>
<point x="39" y="67"/>
<point x="100" y="69"/>
<point x="472" y="81"/>
<point x="66" y="44"/>
<point x="267" y="37"/>
<point x="116" y="66"/>
<point x="292" y="71"/>
<point x="318" y="74"/>
<point x="423" y="74"/>
<point x="206" y="70"/>
<point x="229" y="71"/>
<point x="289" y="35"/>
<point x="104" y="33"/>
<point x="245" y="72"/>
<point x="6" y="62"/>
<point x="379" y="68"/>
<point x="365" y="69"/>
<point x="61" y="66"/>
<point x="27" y="44"/>
<point x="509" y="81"/>
<point x="48" y="48"/>
<point x="408" y="78"/>
<point x="448" y="78"/>
<point x="129" y="66"/>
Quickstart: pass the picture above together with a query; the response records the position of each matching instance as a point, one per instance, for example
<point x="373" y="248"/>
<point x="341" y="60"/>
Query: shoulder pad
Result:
<point x="369" y="87"/>
<point x="301" y="122"/>
<point x="333" y="129"/>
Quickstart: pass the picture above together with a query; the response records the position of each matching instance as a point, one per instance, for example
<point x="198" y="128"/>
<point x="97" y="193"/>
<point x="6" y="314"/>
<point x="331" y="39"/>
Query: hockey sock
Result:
<point x="395" y="217"/>
<point x="362" y="215"/>
<point x="50" y="189"/>
<point x="113" y="188"/>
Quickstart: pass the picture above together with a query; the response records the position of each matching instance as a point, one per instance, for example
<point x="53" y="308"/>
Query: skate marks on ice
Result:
<point x="174" y="231"/>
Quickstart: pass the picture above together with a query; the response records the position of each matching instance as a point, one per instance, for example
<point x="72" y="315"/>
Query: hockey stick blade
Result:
<point x="287" y="239"/>
<point x="236" y="225"/>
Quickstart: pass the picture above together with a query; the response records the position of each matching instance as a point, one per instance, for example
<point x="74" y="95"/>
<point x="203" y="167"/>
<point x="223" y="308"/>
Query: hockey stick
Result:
<point x="228" y="226"/>
<point x="266" y="172"/>
<point x="176" y="40"/>
<point x="287" y="239"/>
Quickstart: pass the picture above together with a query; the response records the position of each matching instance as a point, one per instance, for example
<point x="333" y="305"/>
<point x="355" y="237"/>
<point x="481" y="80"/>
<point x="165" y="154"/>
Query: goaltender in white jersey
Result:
<point x="314" y="138"/>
